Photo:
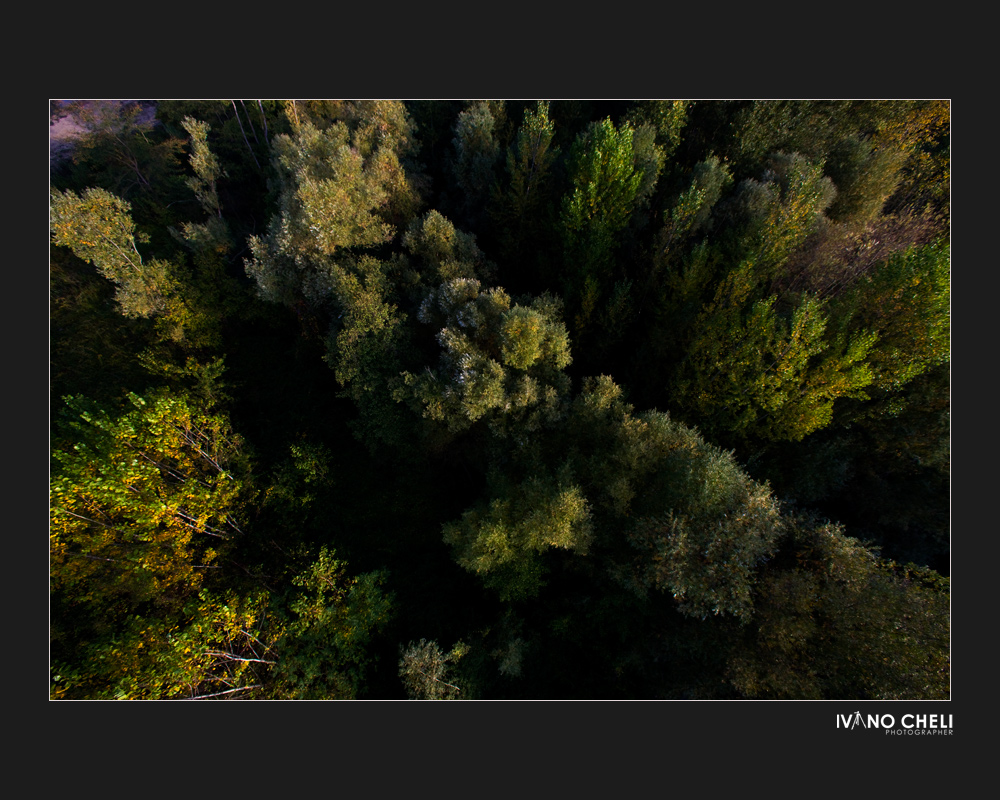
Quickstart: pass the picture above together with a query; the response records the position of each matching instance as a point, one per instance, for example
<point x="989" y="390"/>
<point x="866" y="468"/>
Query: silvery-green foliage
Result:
<point x="778" y="212"/>
<point x="691" y="211"/>
<point x="649" y="159"/>
<point x="206" y="167"/>
<point x="699" y="527"/>
<point x="476" y="151"/>
<point x="424" y="669"/>
<point x="341" y="189"/>
<point x="494" y="359"/>
<point x="97" y="226"/>
<point x="442" y="251"/>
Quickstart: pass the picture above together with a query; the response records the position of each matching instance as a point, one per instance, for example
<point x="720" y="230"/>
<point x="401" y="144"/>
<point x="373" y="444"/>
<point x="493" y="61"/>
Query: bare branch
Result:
<point x="219" y="694"/>
<point x="231" y="657"/>
<point x="453" y="686"/>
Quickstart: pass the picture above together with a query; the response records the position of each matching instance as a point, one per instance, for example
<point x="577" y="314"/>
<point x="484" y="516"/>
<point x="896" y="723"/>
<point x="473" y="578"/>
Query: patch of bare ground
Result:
<point x="71" y="119"/>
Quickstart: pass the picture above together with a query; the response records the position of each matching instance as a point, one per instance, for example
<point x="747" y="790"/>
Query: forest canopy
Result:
<point x="500" y="399"/>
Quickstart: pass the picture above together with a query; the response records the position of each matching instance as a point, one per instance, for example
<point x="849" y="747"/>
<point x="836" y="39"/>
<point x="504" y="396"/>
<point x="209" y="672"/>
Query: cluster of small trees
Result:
<point x="576" y="386"/>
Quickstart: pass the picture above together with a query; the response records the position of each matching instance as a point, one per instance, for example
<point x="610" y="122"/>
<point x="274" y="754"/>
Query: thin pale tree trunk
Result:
<point x="253" y="130"/>
<point x="260" y="103"/>
<point x="235" y="111"/>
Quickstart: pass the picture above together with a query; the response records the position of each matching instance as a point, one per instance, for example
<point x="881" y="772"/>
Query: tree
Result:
<point x="148" y="493"/>
<point x="835" y="256"/>
<point x="778" y="213"/>
<point x="836" y="621"/>
<point x="603" y="190"/>
<point x="98" y="228"/>
<point x="753" y="374"/>
<point x="496" y="361"/>
<point x="609" y="179"/>
<point x="206" y="167"/>
<point x="906" y="301"/>
<point x="324" y="654"/>
<point x="443" y="252"/>
<point x="502" y="541"/>
<point x="649" y="159"/>
<point x="476" y="151"/>
<point x="925" y="181"/>
<point x="691" y="211"/>
<point x="120" y="149"/>
<point x="144" y="507"/>
<point x="519" y="213"/>
<point x="365" y="346"/>
<point x="210" y="294"/>
<point x="871" y="149"/>
<point x="641" y="496"/>
<point x="866" y="177"/>
<point x="342" y="189"/>
<point x="762" y="367"/>
<point x="329" y="200"/>
<point x="215" y="647"/>
<point x="668" y="118"/>
<point x="676" y="284"/>
<point x="696" y="525"/>
<point x="423" y="668"/>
